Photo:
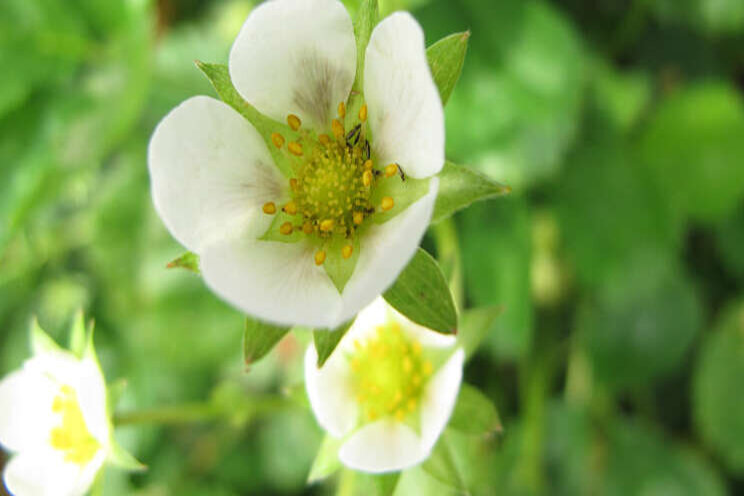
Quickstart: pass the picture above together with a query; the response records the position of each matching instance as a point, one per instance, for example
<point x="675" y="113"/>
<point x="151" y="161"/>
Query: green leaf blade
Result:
<point x="260" y="338"/>
<point x="446" y="58"/>
<point x="459" y="186"/>
<point x="475" y="413"/>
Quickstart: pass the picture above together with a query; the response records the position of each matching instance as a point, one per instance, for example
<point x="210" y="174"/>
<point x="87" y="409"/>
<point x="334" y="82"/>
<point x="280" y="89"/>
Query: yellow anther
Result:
<point x="320" y="257"/>
<point x="367" y="178"/>
<point x="269" y="208"/>
<point x="400" y="415"/>
<point x="307" y="227"/>
<point x="427" y="367"/>
<point x="416" y="348"/>
<point x="294" y="122"/>
<point x="342" y="110"/>
<point x="324" y="138"/>
<point x="387" y="203"/>
<point x="372" y="414"/>
<point x="346" y="251"/>
<point x="295" y="148"/>
<point x="363" y="113"/>
<point x="294" y="183"/>
<point x="326" y="225"/>
<point x="358" y="218"/>
<point x="398" y="397"/>
<point x="411" y="405"/>
<point x="277" y="139"/>
<point x="286" y="228"/>
<point x="368" y="165"/>
<point x="338" y="128"/>
<point x="407" y="364"/>
<point x="416" y="380"/>
<point x="290" y="208"/>
<point x="391" y="170"/>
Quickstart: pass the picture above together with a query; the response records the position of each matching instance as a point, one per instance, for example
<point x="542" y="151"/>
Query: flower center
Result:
<point x="334" y="177"/>
<point x="72" y="436"/>
<point x="389" y="373"/>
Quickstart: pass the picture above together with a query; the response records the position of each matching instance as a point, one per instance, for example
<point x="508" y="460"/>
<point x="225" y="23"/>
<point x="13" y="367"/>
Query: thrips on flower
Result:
<point x="309" y="224"/>
<point x="387" y="391"/>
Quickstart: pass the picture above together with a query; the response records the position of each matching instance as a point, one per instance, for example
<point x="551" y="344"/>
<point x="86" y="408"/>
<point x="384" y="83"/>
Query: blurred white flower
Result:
<point x="54" y="421"/>
<point x="387" y="391"/>
<point x="314" y="242"/>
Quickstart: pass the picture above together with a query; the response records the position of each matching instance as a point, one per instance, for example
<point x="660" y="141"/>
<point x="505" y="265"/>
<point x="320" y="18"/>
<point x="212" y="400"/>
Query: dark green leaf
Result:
<point x="421" y="294"/>
<point x="474" y="413"/>
<point x="259" y="338"/>
<point x="459" y="186"/>
<point x="446" y="58"/>
<point x="475" y="323"/>
<point x="188" y="261"/>
<point x="327" y="340"/>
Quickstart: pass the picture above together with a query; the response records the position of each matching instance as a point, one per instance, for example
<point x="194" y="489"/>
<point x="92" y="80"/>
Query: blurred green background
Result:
<point x="618" y="362"/>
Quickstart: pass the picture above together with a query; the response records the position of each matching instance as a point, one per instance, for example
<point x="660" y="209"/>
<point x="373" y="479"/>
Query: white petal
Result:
<point x="26" y="416"/>
<point x="440" y="398"/>
<point x="427" y="337"/>
<point x="43" y="472"/>
<point x="91" y="393"/>
<point x="277" y="282"/>
<point x="385" y="251"/>
<point x="383" y="446"/>
<point x="295" y="56"/>
<point x="211" y="173"/>
<point x="331" y="392"/>
<point x="405" y="111"/>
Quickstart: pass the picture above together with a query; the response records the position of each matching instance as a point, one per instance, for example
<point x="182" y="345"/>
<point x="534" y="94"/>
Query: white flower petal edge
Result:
<point x="277" y="282"/>
<point x="211" y="172"/>
<point x="383" y="446"/>
<point x="44" y="472"/>
<point x="405" y="111"/>
<point x="330" y="392"/>
<point x="440" y="398"/>
<point x="386" y="249"/>
<point x="295" y="57"/>
<point x="25" y="410"/>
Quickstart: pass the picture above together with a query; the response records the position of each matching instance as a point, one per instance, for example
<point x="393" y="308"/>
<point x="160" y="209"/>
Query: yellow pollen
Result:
<point x="293" y="184"/>
<point x="269" y="208"/>
<point x="295" y="148"/>
<point x="286" y="228"/>
<point x="342" y="110"/>
<point x="307" y="227"/>
<point x="400" y="415"/>
<point x="346" y="251"/>
<point x="277" y="139"/>
<point x="320" y="257"/>
<point x="294" y="122"/>
<point x="326" y="225"/>
<point x="368" y="165"/>
<point x="367" y="178"/>
<point x="72" y="436"/>
<point x="358" y="218"/>
<point x="427" y="367"/>
<point x="290" y="208"/>
<point x="411" y="405"/>
<point x="324" y="139"/>
<point x="363" y="113"/>
<point x="417" y="348"/>
<point x="338" y="128"/>
<point x="391" y="170"/>
<point x="387" y="203"/>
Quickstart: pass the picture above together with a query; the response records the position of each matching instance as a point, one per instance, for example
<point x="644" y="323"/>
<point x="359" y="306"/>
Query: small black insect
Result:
<point x="366" y="151"/>
<point x="400" y="171"/>
<point x="352" y="138"/>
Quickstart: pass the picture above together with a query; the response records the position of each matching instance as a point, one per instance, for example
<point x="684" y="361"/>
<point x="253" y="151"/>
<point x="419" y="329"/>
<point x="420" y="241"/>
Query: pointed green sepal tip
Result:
<point x="121" y="458"/>
<point x="40" y="341"/>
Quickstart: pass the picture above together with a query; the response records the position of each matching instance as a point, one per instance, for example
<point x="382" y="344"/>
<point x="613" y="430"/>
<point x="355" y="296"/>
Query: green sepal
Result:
<point x="404" y="194"/>
<point x="475" y="413"/>
<point x="188" y="261"/>
<point x="326" y="462"/>
<point x="219" y="76"/>
<point x="446" y="58"/>
<point x="259" y="338"/>
<point x="367" y="18"/>
<point x="421" y="293"/>
<point x="121" y="458"/>
<point x="338" y="268"/>
<point x="327" y="340"/>
<point x="475" y="323"/>
<point x="442" y="464"/>
<point x="377" y="484"/>
<point x="273" y="233"/>
<point x="459" y="186"/>
<point x="40" y="340"/>
<point x="77" y="336"/>
<point x="114" y="392"/>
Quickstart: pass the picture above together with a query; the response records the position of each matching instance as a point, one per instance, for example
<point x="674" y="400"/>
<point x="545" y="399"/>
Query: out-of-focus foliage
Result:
<point x="614" y="270"/>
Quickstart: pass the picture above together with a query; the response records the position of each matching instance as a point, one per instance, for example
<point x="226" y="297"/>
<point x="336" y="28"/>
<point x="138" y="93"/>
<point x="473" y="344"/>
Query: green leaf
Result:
<point x="78" y="335"/>
<point x="40" y="340"/>
<point x="375" y="484"/>
<point x="475" y="323"/>
<point x="188" y="261"/>
<point x="326" y="462"/>
<point x="219" y="76"/>
<point x="421" y="294"/>
<point x="442" y="465"/>
<point x="446" y="58"/>
<point x="327" y="340"/>
<point x="259" y="338"/>
<point x="119" y="457"/>
<point x="475" y="413"/>
<point x="459" y="186"/>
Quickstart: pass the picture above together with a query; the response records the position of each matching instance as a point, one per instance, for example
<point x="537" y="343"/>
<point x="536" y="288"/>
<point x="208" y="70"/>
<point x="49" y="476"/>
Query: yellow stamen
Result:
<point x="277" y="139"/>
<point x="307" y="227"/>
<point x="367" y="178"/>
<point x="320" y="257"/>
<point x="411" y="405"/>
<point x="427" y="367"/>
<point x="338" y="128"/>
<point x="368" y="165"/>
<point x="387" y="203"/>
<point x="290" y="208"/>
<point x="363" y="113"/>
<point x="342" y="110"/>
<point x="326" y="225"/>
<point x="400" y="415"/>
<point x="293" y="183"/>
<point x="269" y="208"/>
<point x="391" y="170"/>
<point x="324" y="139"/>
<point x="294" y="122"/>
<point x="346" y="251"/>
<point x="295" y="148"/>
<point x="286" y="228"/>
<point x="358" y="218"/>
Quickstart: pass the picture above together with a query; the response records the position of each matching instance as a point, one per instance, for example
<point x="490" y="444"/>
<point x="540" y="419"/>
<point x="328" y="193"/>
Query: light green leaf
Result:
<point x="119" y="457"/>
<point x="475" y="323"/>
<point x="421" y="294"/>
<point x="259" y="338"/>
<point x="446" y="58"/>
<point x="474" y="413"/>
<point x="459" y="186"/>
<point x="326" y="341"/>
<point x="326" y="462"/>
<point x="338" y="268"/>
<point x="40" y="340"/>
<point x="188" y="261"/>
<point x="78" y="335"/>
<point x="219" y="76"/>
